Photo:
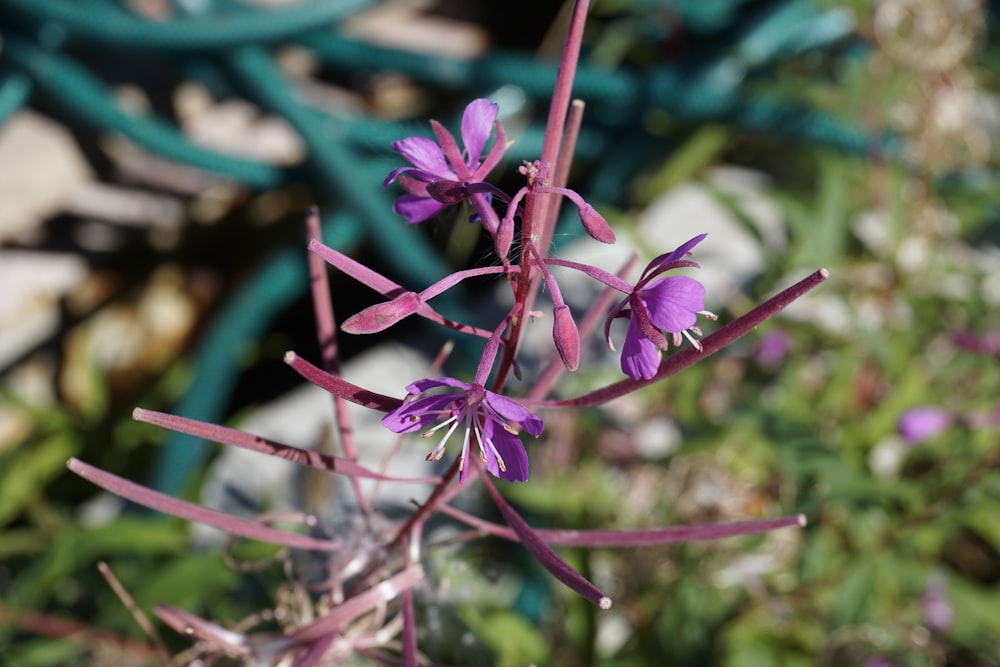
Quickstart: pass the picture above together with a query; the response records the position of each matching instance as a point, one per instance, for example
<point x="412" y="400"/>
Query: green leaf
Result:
<point x="27" y="471"/>
<point x="985" y="521"/>
<point x="44" y="653"/>
<point x="855" y="593"/>
<point x="516" y="641"/>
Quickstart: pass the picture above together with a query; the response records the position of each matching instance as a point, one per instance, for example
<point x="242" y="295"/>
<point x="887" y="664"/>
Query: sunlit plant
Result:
<point x="477" y="423"/>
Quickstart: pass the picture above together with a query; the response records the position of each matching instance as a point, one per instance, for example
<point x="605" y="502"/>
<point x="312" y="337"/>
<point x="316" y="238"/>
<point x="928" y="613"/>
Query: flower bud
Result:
<point x="596" y="225"/>
<point x="381" y="316"/>
<point x="566" y="337"/>
<point x="447" y="192"/>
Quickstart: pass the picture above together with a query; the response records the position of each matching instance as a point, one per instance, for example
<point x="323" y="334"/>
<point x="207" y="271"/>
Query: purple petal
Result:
<point x="677" y="254"/>
<point x="921" y="423"/>
<point x="419" y="413"/>
<point x="509" y="447"/>
<point x="477" y="123"/>
<point x="513" y="411"/>
<point x="415" y="209"/>
<point x="617" y="311"/>
<point x="673" y="302"/>
<point x="420" y="386"/>
<point x="393" y="174"/>
<point x="425" y="155"/>
<point x="411" y="179"/>
<point x="640" y="356"/>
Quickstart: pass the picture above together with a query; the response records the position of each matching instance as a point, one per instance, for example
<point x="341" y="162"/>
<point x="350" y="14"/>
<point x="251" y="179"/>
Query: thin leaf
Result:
<point x="163" y="503"/>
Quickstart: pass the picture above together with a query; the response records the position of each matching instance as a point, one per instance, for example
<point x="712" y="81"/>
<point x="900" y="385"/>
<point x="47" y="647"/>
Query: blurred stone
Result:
<point x="657" y="438"/>
<point x="129" y="207"/>
<point x="35" y="282"/>
<point x="238" y="128"/>
<point x="40" y="169"/>
<point x="127" y="342"/>
<point x="403" y="24"/>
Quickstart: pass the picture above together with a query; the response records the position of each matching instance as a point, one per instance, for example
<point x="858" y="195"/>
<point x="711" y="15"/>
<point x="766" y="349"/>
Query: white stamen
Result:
<point x="694" y="341"/>
<point x="429" y="432"/>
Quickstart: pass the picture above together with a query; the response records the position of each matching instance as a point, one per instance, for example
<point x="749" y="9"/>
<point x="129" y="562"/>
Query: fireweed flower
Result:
<point x="441" y="165"/>
<point x="659" y="304"/>
<point x="486" y="417"/>
<point x="922" y="423"/>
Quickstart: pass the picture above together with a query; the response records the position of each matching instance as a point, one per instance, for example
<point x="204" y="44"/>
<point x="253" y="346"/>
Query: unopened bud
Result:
<point x="447" y="192"/>
<point x="381" y="316"/>
<point x="596" y="225"/>
<point x="566" y="337"/>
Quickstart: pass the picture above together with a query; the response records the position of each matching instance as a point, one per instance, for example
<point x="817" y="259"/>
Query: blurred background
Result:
<point x="156" y="160"/>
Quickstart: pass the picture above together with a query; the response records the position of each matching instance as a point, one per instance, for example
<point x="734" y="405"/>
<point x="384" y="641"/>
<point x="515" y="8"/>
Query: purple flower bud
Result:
<point x="595" y="224"/>
<point x="448" y="193"/>
<point x="381" y="316"/>
<point x="566" y="337"/>
<point x="921" y="423"/>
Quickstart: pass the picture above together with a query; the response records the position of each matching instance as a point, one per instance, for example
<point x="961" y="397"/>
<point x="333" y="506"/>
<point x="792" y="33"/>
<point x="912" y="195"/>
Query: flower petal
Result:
<point x="420" y="386"/>
<point x="417" y="414"/>
<point x="510" y="449"/>
<point x="425" y="155"/>
<point x="415" y="209"/>
<point x="675" y="255"/>
<point x="477" y="123"/>
<point x="513" y="411"/>
<point x="673" y="302"/>
<point x="640" y="356"/>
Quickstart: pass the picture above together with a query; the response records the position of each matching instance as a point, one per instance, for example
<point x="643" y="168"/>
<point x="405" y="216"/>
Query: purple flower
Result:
<point x="486" y="416"/>
<point x="773" y="349"/>
<point x="919" y="424"/>
<point x="443" y="166"/>
<point x="938" y="611"/>
<point x="878" y="661"/>
<point x="659" y="304"/>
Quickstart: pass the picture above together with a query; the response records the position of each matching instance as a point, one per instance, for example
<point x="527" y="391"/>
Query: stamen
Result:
<point x="429" y="432"/>
<point x="694" y="341"/>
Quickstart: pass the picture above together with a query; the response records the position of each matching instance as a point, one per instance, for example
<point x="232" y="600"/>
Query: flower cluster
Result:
<point x="656" y="305"/>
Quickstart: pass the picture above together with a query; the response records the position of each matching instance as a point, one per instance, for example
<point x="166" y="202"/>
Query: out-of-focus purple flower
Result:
<point x="877" y="661"/>
<point x="938" y="611"/>
<point x="925" y="422"/>
<point x="988" y="343"/>
<point x="486" y="417"/>
<point x="773" y="349"/>
<point x="443" y="166"/>
<point x="656" y="305"/>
